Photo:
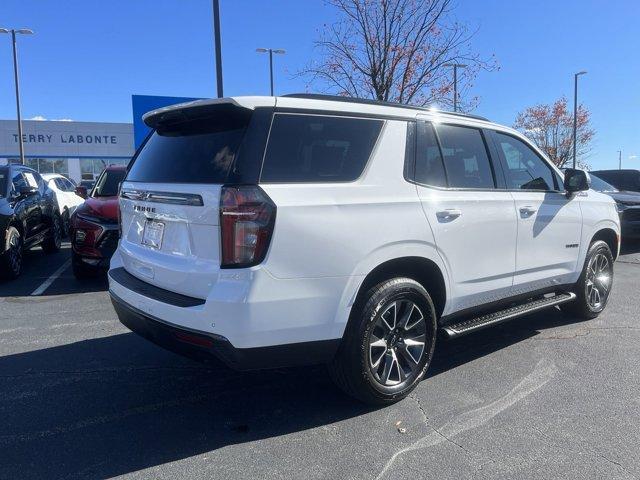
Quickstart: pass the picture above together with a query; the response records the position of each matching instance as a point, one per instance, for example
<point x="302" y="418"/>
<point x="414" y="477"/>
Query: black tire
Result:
<point x="53" y="241"/>
<point x="81" y="270"/>
<point x="584" y="306"/>
<point x="11" y="259"/>
<point x="65" y="223"/>
<point x="354" y="368"/>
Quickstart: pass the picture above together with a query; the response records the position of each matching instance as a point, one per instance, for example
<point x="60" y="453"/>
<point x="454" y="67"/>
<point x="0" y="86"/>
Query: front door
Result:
<point x="549" y="222"/>
<point x="473" y="222"/>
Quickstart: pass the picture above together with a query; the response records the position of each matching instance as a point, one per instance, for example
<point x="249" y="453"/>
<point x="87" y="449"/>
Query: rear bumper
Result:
<point x="205" y="346"/>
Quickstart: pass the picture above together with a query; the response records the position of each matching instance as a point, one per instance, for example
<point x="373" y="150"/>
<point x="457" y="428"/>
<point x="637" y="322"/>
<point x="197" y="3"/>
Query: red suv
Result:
<point x="94" y="225"/>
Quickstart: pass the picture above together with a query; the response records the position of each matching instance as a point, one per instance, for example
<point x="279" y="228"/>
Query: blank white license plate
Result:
<point x="152" y="234"/>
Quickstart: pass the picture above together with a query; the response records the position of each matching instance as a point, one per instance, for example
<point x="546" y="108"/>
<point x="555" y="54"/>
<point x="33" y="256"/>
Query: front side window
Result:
<point x="429" y="166"/>
<point x="317" y="148"/>
<point x="466" y="160"/>
<point x="525" y="169"/>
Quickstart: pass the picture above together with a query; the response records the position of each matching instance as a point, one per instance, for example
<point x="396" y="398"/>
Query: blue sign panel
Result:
<point x="142" y="104"/>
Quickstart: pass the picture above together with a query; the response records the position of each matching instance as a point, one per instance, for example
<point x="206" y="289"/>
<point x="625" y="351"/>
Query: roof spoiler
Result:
<point x="202" y="108"/>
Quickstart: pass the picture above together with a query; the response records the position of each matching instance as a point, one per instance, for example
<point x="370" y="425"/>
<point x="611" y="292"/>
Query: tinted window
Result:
<point x="59" y="184"/>
<point x="4" y="176"/>
<point x="315" y="148"/>
<point x="108" y="183"/>
<point x="18" y="181"/>
<point x="525" y="169"/>
<point x="197" y="151"/>
<point x="623" y="179"/>
<point x="429" y="167"/>
<point x="465" y="157"/>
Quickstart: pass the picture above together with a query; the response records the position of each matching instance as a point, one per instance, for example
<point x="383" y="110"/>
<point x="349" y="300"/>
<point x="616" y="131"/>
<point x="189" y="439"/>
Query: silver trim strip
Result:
<point x="163" y="197"/>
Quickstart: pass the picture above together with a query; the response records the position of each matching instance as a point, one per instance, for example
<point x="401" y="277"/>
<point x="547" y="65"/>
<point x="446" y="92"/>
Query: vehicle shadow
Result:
<point x="38" y="267"/>
<point x="109" y="406"/>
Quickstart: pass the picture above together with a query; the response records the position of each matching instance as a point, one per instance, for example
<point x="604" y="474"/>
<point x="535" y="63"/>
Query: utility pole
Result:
<point x="23" y="31"/>
<point x="218" y="46"/>
<point x="455" y="82"/>
<point x="575" y="113"/>
<point x="619" y="159"/>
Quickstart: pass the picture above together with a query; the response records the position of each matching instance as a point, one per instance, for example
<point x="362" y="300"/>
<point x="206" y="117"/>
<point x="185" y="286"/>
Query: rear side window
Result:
<point x="525" y="169"/>
<point x="317" y="148"/>
<point x="429" y="166"/>
<point x="195" y="151"/>
<point x="465" y="157"/>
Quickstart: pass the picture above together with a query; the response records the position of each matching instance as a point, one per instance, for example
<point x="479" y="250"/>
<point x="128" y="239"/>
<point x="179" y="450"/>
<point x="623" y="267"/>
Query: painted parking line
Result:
<point x="47" y="283"/>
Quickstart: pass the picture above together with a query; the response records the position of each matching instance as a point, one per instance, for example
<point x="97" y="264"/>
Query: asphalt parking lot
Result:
<point x="541" y="397"/>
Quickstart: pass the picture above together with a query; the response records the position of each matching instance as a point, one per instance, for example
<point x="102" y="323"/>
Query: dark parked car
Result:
<point x="624" y="180"/>
<point x="628" y="204"/>
<point x="94" y="225"/>
<point x="29" y="216"/>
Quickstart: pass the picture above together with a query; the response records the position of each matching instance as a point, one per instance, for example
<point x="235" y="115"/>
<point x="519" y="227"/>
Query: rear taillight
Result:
<point x="247" y="217"/>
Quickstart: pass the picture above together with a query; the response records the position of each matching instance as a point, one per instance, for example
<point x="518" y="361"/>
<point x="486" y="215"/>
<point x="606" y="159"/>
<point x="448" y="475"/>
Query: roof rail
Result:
<point x="367" y="101"/>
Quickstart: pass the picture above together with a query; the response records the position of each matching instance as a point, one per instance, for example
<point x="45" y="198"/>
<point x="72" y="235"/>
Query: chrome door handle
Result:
<point x="448" y="214"/>
<point x="527" y="211"/>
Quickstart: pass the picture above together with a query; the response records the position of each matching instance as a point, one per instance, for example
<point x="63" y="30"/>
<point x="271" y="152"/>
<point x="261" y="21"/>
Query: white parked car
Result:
<point x="66" y="196"/>
<point x="311" y="229"/>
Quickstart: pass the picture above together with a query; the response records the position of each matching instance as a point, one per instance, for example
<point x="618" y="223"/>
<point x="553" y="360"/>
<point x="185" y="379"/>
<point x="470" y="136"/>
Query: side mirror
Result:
<point x="576" y="181"/>
<point x="81" y="191"/>
<point x="27" y="191"/>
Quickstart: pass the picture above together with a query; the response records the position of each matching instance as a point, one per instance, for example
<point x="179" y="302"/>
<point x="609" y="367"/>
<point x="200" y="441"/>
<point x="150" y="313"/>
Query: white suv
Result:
<point x="312" y="229"/>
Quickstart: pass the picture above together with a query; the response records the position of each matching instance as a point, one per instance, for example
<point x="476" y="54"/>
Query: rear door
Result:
<point x="170" y="200"/>
<point x="473" y="221"/>
<point x="549" y="222"/>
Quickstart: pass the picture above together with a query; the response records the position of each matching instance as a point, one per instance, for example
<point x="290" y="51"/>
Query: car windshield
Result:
<point x="108" y="183"/>
<point x="600" y="185"/>
<point x="4" y="175"/>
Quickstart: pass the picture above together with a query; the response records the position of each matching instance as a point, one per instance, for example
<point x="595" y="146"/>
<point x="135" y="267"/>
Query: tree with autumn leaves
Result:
<point x="396" y="50"/>
<point x="550" y="126"/>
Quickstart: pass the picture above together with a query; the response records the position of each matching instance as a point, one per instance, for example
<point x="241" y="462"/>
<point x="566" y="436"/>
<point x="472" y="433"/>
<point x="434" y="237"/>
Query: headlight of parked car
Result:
<point x="621" y="207"/>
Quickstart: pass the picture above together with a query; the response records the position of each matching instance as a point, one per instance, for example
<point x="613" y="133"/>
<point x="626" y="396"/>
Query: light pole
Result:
<point x="22" y="31"/>
<point x="575" y="113"/>
<point x="271" y="52"/>
<point x="218" y="46"/>
<point x="619" y="159"/>
<point x="455" y="82"/>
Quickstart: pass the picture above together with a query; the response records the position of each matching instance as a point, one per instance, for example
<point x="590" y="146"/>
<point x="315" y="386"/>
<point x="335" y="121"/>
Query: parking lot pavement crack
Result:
<point x="426" y="422"/>
<point x="555" y="444"/>
<point x="544" y="371"/>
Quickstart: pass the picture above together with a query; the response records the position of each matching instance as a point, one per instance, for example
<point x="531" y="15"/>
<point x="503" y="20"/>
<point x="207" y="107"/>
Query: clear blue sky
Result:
<point x="89" y="56"/>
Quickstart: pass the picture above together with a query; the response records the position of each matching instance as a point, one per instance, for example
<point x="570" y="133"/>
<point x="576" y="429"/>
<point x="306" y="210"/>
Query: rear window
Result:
<point x="195" y="151"/>
<point x="318" y="148"/>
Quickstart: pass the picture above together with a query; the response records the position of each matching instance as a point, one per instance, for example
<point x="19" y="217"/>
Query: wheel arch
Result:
<point x="421" y="269"/>
<point x="610" y="237"/>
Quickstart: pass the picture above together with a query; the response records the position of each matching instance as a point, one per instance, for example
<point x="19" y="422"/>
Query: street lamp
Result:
<point x="455" y="82"/>
<point x="575" y="113"/>
<point x="271" y="52"/>
<point x="13" y="32"/>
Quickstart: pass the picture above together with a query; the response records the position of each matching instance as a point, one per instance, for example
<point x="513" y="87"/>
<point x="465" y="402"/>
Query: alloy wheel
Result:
<point x="397" y="342"/>
<point x="598" y="282"/>
<point x="15" y="254"/>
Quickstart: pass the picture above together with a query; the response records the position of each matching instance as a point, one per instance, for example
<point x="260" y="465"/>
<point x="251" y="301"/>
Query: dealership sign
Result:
<point x="67" y="139"/>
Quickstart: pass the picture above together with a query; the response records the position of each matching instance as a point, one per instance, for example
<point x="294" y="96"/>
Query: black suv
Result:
<point x="29" y="216"/>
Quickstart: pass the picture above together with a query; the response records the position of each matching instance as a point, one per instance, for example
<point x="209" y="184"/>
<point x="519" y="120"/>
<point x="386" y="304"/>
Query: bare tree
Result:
<point x="551" y="128"/>
<point x="395" y="50"/>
